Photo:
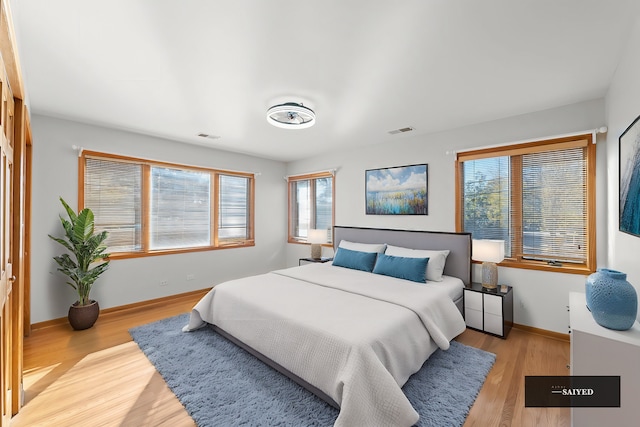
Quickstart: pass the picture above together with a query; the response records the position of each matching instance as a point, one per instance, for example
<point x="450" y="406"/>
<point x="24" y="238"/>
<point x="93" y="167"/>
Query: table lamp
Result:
<point x="317" y="238"/>
<point x="490" y="252"/>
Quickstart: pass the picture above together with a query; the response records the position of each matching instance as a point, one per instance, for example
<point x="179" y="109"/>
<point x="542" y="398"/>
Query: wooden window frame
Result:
<point x="146" y="201"/>
<point x="517" y="261"/>
<point x="309" y="177"/>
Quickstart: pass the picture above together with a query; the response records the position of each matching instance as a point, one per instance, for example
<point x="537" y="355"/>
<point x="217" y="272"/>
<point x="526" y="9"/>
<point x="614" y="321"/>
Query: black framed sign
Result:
<point x="629" y="170"/>
<point x="400" y="190"/>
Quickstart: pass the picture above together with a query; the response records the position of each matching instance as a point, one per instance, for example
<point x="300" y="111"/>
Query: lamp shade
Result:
<point x="488" y="250"/>
<point x="317" y="236"/>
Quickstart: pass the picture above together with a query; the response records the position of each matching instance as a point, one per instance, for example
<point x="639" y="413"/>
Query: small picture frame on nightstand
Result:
<point x="504" y="289"/>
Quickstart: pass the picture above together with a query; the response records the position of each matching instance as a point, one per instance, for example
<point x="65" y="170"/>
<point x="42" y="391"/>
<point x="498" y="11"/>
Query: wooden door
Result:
<point x="6" y="271"/>
<point x="14" y="225"/>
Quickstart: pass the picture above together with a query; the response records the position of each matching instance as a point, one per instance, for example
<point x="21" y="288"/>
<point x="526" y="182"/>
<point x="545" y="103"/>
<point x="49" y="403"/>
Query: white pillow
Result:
<point x="362" y="247"/>
<point x="435" y="266"/>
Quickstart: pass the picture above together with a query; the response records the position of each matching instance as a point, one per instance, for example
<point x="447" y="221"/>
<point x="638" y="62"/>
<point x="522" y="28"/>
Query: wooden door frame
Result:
<point x="20" y="251"/>
<point x="21" y="203"/>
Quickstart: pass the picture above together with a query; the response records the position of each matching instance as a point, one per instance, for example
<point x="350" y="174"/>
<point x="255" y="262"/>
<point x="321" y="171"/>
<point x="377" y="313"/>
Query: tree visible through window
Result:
<point x="537" y="197"/>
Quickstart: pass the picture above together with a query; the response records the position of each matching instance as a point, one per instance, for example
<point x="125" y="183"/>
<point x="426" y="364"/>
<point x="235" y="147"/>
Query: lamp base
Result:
<point x="316" y="251"/>
<point x="489" y="275"/>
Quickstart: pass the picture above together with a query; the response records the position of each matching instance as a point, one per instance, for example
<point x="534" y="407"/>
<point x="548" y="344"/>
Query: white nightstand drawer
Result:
<point x="493" y="323"/>
<point x="473" y="300"/>
<point x="473" y="318"/>
<point x="493" y="304"/>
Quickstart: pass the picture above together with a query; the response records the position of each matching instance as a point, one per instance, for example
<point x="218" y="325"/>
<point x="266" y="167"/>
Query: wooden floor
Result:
<point x="99" y="377"/>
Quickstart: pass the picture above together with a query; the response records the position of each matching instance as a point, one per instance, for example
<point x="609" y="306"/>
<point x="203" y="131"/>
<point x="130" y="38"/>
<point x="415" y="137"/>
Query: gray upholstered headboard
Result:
<point x="459" y="259"/>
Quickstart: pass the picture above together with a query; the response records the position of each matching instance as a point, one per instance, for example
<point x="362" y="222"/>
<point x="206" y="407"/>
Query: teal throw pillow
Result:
<point x="413" y="269"/>
<point x="355" y="260"/>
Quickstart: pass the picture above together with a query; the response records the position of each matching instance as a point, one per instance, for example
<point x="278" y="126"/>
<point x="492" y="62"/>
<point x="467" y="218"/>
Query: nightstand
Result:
<point x="302" y="261"/>
<point x="488" y="310"/>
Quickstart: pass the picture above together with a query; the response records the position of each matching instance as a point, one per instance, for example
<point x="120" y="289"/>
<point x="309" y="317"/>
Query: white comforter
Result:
<point x="356" y="336"/>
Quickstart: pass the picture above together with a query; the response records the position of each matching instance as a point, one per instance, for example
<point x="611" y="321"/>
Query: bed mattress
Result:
<point x="356" y="336"/>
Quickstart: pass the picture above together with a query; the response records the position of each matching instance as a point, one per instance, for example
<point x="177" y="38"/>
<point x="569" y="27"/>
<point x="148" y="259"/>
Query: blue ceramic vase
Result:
<point x="612" y="300"/>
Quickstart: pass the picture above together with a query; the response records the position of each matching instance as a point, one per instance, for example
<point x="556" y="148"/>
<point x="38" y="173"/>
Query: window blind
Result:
<point x="537" y="197"/>
<point x="324" y="209"/>
<point x="233" y="214"/>
<point x="180" y="208"/>
<point x="151" y="207"/>
<point x="554" y="205"/>
<point x="301" y="208"/>
<point x="112" y="190"/>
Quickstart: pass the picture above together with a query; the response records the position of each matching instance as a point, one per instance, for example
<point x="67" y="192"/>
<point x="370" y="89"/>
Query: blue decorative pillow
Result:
<point x="413" y="269"/>
<point x="355" y="259"/>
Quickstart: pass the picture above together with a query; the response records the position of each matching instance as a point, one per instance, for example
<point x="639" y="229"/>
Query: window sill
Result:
<point x="127" y="255"/>
<point x="304" y="242"/>
<point x="543" y="266"/>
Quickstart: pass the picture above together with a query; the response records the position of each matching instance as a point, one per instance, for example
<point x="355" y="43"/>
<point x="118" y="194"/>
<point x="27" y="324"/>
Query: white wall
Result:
<point x="55" y="173"/>
<point x="622" y="107"/>
<point x="540" y="297"/>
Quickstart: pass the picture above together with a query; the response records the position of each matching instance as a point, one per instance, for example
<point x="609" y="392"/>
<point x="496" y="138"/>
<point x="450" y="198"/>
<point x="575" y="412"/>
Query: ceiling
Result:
<point x="175" y="69"/>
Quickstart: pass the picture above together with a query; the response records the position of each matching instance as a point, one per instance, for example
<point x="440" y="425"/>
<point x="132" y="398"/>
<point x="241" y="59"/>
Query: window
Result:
<point x="233" y="214"/>
<point x="537" y="197"/>
<point x="310" y="205"/>
<point x="152" y="208"/>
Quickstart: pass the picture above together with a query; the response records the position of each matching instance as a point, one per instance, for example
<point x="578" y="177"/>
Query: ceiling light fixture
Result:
<point x="291" y="115"/>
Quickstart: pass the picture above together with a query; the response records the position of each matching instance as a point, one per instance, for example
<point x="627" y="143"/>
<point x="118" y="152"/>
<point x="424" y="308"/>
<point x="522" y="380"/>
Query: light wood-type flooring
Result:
<point x="99" y="377"/>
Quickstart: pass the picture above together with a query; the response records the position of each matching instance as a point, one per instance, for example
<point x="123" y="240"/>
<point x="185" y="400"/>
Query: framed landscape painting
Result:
<point x="629" y="170"/>
<point x="398" y="190"/>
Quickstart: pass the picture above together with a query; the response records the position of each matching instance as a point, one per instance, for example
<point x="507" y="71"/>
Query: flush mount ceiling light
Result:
<point x="291" y="115"/>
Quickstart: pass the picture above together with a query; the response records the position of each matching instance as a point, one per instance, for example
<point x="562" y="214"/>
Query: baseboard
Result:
<point x="142" y="305"/>
<point x="189" y="295"/>
<point x="543" y="332"/>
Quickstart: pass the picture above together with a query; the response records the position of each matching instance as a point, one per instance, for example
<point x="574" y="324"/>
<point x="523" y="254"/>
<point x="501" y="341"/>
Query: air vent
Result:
<point x="206" y="135"/>
<point x="401" y="130"/>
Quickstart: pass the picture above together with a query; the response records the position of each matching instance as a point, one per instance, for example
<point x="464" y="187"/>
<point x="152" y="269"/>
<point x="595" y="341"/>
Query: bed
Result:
<point x="351" y="337"/>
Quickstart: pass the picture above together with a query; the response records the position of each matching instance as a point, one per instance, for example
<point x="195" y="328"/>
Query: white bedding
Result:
<point x="453" y="286"/>
<point x="356" y="336"/>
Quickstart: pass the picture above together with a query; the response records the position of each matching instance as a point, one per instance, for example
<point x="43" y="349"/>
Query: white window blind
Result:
<point x="180" y="208"/>
<point x="301" y="208"/>
<point x="324" y="204"/>
<point x="112" y="190"/>
<point x="554" y="205"/>
<point x="233" y="215"/>
<point x="151" y="208"/>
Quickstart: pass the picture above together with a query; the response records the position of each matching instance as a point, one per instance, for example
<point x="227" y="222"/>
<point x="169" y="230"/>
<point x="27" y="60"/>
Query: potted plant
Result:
<point x="88" y="248"/>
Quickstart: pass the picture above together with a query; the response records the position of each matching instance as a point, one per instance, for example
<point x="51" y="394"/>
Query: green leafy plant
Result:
<point x="87" y="247"/>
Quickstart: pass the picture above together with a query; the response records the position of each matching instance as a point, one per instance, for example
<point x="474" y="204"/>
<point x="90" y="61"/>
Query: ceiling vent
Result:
<point x="206" y="135"/>
<point x="401" y="130"/>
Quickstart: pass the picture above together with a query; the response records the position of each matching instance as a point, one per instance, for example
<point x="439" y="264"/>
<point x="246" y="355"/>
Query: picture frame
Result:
<point x="629" y="175"/>
<point x="399" y="190"/>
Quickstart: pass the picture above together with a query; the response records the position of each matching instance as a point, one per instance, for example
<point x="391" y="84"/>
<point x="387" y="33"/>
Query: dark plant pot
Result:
<point x="83" y="316"/>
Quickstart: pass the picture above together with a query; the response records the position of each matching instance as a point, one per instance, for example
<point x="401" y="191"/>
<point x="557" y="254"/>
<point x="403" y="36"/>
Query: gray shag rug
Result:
<point x="222" y="385"/>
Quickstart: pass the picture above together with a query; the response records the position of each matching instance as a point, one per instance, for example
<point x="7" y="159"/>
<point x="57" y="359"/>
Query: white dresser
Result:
<point x="596" y="350"/>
